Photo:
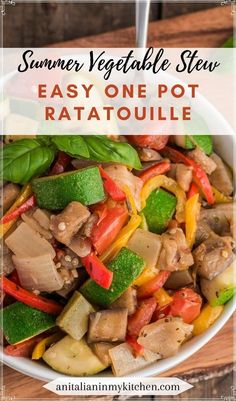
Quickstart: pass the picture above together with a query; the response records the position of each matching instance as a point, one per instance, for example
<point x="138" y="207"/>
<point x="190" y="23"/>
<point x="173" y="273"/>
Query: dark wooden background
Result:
<point x="31" y="24"/>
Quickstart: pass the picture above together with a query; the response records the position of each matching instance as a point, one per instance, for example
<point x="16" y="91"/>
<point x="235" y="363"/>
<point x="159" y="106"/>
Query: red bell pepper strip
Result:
<point x="107" y="229"/>
<point x="199" y="175"/>
<point x="29" y="298"/>
<point x="157" y="169"/>
<point x="186" y="304"/>
<point x="147" y="289"/>
<point x="101" y="210"/>
<point x="97" y="270"/>
<point x="141" y="317"/>
<point x="193" y="190"/>
<point x="25" y="348"/>
<point x="27" y="205"/>
<point x="111" y="187"/>
<point x="61" y="163"/>
<point x="137" y="348"/>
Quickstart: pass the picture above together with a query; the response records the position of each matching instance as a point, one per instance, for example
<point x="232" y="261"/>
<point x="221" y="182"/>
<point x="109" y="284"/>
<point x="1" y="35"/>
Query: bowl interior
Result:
<point x="224" y="146"/>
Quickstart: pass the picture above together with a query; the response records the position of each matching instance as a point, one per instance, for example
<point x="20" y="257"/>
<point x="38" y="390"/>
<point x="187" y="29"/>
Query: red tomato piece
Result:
<point x="186" y="304"/>
<point x="156" y="142"/>
<point x="159" y="313"/>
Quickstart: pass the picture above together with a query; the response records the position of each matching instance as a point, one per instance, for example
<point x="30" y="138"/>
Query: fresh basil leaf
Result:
<point x="24" y="159"/>
<point x="103" y="149"/>
<point x="44" y="139"/>
<point x="74" y="145"/>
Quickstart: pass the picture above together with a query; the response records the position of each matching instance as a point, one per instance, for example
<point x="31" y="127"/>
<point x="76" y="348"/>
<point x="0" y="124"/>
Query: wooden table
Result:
<point x="201" y="29"/>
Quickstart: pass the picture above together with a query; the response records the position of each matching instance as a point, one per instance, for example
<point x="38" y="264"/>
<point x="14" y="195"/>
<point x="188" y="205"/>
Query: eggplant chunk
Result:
<point x="165" y="336"/>
<point x="6" y="259"/>
<point x="8" y="196"/>
<point x="127" y="300"/>
<point x="175" y="253"/>
<point x="67" y="223"/>
<point x="213" y="256"/>
<point x="218" y="219"/>
<point x="207" y="163"/>
<point x="102" y="351"/>
<point x="179" y="279"/>
<point x="108" y="325"/>
<point x="124" y="362"/>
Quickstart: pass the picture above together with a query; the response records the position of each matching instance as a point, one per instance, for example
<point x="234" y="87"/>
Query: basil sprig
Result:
<point x="24" y="159"/>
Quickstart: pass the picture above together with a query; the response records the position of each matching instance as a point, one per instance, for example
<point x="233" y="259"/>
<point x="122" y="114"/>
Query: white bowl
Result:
<point x="224" y="145"/>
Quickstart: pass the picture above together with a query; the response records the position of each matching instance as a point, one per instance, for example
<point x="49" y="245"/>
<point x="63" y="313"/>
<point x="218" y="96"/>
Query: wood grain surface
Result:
<point x="37" y="24"/>
<point x="208" y="28"/>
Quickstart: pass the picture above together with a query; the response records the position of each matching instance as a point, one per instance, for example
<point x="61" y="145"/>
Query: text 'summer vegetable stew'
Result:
<point x="116" y="250"/>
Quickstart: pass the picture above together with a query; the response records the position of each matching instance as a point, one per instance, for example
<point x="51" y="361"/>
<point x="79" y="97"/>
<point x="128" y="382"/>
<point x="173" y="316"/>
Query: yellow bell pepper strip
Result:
<point x="207" y="317"/>
<point x="192" y="210"/>
<point x="40" y="348"/>
<point x="170" y="185"/>
<point x="162" y="297"/>
<point x="143" y="224"/>
<point x="146" y="275"/>
<point x="24" y="195"/>
<point x="121" y="240"/>
<point x="130" y="201"/>
<point x="220" y="197"/>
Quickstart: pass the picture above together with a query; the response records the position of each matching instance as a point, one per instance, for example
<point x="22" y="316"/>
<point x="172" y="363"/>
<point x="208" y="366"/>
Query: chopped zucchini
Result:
<point x="55" y="192"/>
<point x="20" y="322"/>
<point x="73" y="357"/>
<point x="126" y="267"/>
<point x="75" y="316"/>
<point x="159" y="209"/>
<point x="221" y="288"/>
